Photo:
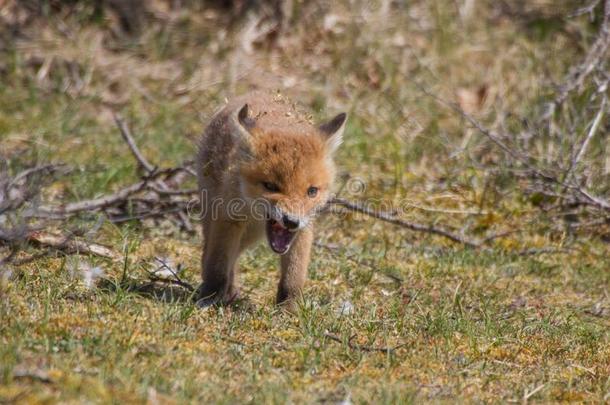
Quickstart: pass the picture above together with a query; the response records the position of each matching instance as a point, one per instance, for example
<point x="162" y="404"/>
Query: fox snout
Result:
<point x="292" y="223"/>
<point x="282" y="229"/>
<point x="289" y="220"/>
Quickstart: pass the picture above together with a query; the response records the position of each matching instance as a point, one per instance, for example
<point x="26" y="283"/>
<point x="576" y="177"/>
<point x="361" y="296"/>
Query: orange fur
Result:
<point x="258" y="140"/>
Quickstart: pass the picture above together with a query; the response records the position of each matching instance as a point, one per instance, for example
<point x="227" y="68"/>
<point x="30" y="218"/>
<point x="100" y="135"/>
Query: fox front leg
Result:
<point x="221" y="250"/>
<point x="294" y="269"/>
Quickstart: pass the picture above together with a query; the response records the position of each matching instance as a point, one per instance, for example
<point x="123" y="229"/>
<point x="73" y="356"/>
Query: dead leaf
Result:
<point x="471" y="100"/>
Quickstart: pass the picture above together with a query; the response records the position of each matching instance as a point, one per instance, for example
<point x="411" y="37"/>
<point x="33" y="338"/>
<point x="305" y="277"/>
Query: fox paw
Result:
<point x="206" y="300"/>
<point x="289" y="305"/>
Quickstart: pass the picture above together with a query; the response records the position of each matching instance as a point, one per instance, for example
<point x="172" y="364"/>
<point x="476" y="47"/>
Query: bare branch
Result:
<point x="183" y="284"/>
<point x="596" y="55"/>
<point x="71" y="245"/>
<point x="160" y="186"/>
<point x="544" y="250"/>
<point x="34" y="170"/>
<point x="586" y="197"/>
<point x="590" y="135"/>
<point x="588" y="9"/>
<point x="97" y="203"/>
<point x="126" y="134"/>
<point x="492" y="136"/>
<point x="388" y="217"/>
<point x="176" y="280"/>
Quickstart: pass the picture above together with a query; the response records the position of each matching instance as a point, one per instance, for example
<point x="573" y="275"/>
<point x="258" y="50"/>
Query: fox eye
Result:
<point x="312" y="191"/>
<point x="272" y="187"/>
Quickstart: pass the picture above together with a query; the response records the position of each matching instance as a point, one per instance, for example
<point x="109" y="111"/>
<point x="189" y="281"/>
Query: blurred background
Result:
<point x="406" y="71"/>
<point x="485" y="118"/>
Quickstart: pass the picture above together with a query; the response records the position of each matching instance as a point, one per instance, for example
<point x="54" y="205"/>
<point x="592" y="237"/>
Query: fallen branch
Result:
<point x="118" y="198"/>
<point x="542" y="251"/>
<point x="70" y="244"/>
<point x="183" y="284"/>
<point x="126" y="134"/>
<point x="176" y="278"/>
<point x="414" y="226"/>
<point x="97" y="203"/>
<point x="27" y="173"/>
<point x="159" y="185"/>
<point x="15" y="191"/>
<point x="35" y="375"/>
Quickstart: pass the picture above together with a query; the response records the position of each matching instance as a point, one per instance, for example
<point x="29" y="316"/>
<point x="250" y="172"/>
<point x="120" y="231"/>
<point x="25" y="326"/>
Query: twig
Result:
<point x="500" y="235"/>
<point x="177" y="280"/>
<point x="120" y="196"/>
<point x="189" y="191"/>
<point x="388" y="217"/>
<point x="40" y="376"/>
<point x="593" y="61"/>
<point x="594" y="200"/>
<point x="588" y="9"/>
<point x="595" y="56"/>
<point x="71" y="245"/>
<point x="97" y="203"/>
<point x="189" y="170"/>
<point x="527" y="395"/>
<point x="126" y="134"/>
<point x="31" y="258"/>
<point x="14" y="195"/>
<point x="362" y="347"/>
<point x="492" y="136"/>
<point x="592" y="131"/>
<point x="159" y="185"/>
<point x="587" y="197"/>
<point x="594" y="223"/>
<point x="143" y="215"/>
<point x="183" y="284"/>
<point x="34" y="170"/>
<point x="541" y="251"/>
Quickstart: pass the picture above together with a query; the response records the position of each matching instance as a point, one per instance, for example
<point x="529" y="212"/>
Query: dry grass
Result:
<point x="491" y="326"/>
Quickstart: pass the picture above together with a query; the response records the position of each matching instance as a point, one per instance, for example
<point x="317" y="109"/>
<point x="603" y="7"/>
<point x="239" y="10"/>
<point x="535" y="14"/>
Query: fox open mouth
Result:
<point x="279" y="237"/>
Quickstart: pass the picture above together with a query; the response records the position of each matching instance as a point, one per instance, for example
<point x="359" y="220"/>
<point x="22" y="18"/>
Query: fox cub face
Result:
<point x="290" y="173"/>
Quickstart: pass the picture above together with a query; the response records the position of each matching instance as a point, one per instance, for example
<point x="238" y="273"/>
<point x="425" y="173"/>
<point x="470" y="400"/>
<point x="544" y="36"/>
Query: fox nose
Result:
<point x="290" y="223"/>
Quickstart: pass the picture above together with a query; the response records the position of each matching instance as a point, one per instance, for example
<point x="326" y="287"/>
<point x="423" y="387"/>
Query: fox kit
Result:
<point x="263" y="169"/>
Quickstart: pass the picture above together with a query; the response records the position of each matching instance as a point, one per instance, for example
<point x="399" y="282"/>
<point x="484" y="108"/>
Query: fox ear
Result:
<point x="242" y="123"/>
<point x="333" y="131"/>
<point x="245" y="121"/>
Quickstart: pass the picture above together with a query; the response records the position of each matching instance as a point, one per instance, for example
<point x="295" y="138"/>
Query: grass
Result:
<point x="488" y="326"/>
